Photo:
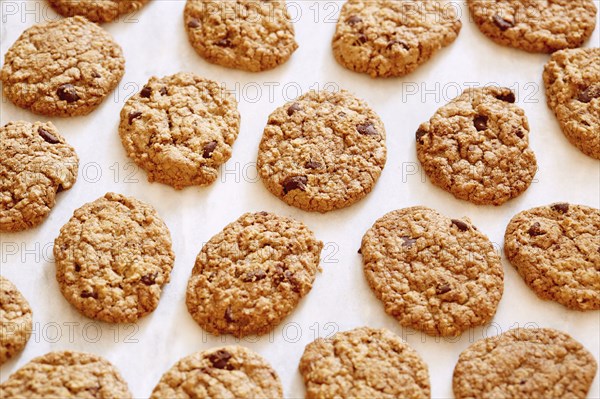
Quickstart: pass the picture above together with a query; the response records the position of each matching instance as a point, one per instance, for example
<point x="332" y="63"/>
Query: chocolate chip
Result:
<point x="361" y="39"/>
<point x="366" y="129"/>
<point x="360" y="251"/>
<point x="219" y="359"/>
<point x="263" y="213"/>
<point x="408" y="242"/>
<point x="254" y="276"/>
<point x="399" y="42"/>
<point x="589" y="94"/>
<point x="313" y="165"/>
<point x="229" y="315"/>
<point x="146" y="92"/>
<point x="77" y="267"/>
<point x="293" y="108"/>
<point x="294" y="183"/>
<point x="67" y="93"/>
<point x="443" y="289"/>
<point x="149" y="279"/>
<point x="480" y="122"/>
<point x="353" y="20"/>
<point x="462" y="226"/>
<point x="509" y="97"/>
<point x="562" y="207"/>
<point x="289" y="276"/>
<point x="134" y="115"/>
<point x="163" y="91"/>
<point x="47" y="136"/>
<point x="535" y="230"/>
<point x="420" y="134"/>
<point x="223" y="43"/>
<point x="502" y="23"/>
<point x="88" y="294"/>
<point x="209" y="148"/>
<point x="194" y="23"/>
<point x="519" y="133"/>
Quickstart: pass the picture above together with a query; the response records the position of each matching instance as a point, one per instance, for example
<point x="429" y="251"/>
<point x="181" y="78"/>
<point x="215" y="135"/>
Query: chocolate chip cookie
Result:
<point x="243" y="34"/>
<point x="534" y="25"/>
<point x="363" y="363"/>
<point x="36" y="163"/>
<point x="15" y="320"/>
<point x="97" y="11"/>
<point x="477" y="147"/>
<point x="432" y="273"/>
<point x="323" y="151"/>
<point x="525" y="363"/>
<point x="113" y="258"/>
<point x="228" y="372"/>
<point x="64" y="67"/>
<point x="556" y="249"/>
<point x="180" y="129"/>
<point x="572" y="80"/>
<point x="386" y="38"/>
<point x="66" y="375"/>
<point x="251" y="275"/>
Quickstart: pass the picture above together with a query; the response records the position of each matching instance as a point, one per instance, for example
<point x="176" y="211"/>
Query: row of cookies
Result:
<point x="321" y="152"/>
<point x="379" y="37"/>
<point x="435" y="274"/>
<point x="360" y="363"/>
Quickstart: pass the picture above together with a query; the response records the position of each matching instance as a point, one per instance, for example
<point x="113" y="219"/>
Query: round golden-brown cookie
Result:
<point x="363" y="363"/>
<point x="112" y="259"/>
<point x="477" y="147"/>
<point x="386" y="38"/>
<point x="66" y="375"/>
<point x="525" y="363"/>
<point x="36" y="163"/>
<point x="539" y="26"/>
<point x="432" y="273"/>
<point x="572" y="80"/>
<point x="227" y="372"/>
<point x="64" y="67"/>
<point x="323" y="151"/>
<point x="180" y="129"/>
<point x="253" y="35"/>
<point x="97" y="10"/>
<point x="556" y="249"/>
<point x="15" y="320"/>
<point x="251" y="275"/>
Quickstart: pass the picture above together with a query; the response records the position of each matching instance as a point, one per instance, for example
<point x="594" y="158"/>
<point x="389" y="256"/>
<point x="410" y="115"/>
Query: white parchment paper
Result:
<point x="155" y="43"/>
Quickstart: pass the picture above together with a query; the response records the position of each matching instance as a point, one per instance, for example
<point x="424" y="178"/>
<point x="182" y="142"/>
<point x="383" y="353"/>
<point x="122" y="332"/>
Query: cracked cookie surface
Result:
<point x="98" y="11"/>
<point x="477" y="147"/>
<point x="432" y="273"/>
<point x="323" y="151"/>
<point x="572" y="80"/>
<point x="66" y="375"/>
<point x="112" y="259"/>
<point x="180" y="129"/>
<point x="363" y="363"/>
<point x="251" y="35"/>
<point x="15" y="320"/>
<point x="251" y="275"/>
<point x="36" y="163"/>
<point x="62" y="68"/>
<point x="556" y="249"/>
<point x="540" y="26"/>
<point x="227" y="372"/>
<point x="386" y="38"/>
<point x="525" y="363"/>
